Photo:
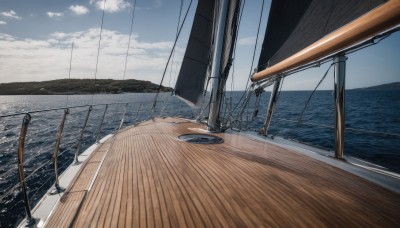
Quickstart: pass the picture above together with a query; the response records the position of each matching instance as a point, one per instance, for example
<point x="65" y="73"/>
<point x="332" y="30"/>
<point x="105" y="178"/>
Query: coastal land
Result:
<point x="387" y="86"/>
<point x="80" y="86"/>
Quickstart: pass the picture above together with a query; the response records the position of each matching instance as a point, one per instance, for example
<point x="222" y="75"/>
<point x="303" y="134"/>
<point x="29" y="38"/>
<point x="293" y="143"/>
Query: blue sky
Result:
<point x="36" y="37"/>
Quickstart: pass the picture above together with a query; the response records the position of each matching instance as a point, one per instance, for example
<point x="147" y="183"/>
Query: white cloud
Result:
<point x="54" y="14"/>
<point x="251" y="40"/>
<point x="10" y="14"/>
<point x="47" y="59"/>
<point x="111" y="6"/>
<point x="158" y="3"/>
<point x="3" y="23"/>
<point x="6" y="37"/>
<point x="58" y="35"/>
<point x="78" y="9"/>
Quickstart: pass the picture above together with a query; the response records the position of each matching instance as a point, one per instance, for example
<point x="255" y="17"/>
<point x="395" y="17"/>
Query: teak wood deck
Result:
<point x="148" y="178"/>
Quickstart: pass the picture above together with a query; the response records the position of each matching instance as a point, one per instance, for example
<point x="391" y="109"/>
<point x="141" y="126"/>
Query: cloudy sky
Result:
<point x="36" y="38"/>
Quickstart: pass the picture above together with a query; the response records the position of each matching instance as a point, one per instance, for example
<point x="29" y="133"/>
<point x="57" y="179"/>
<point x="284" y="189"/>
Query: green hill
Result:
<point x="80" y="86"/>
<point x="391" y="86"/>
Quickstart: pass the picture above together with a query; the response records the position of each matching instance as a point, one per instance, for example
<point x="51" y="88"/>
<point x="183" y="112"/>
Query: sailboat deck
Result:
<point x="150" y="178"/>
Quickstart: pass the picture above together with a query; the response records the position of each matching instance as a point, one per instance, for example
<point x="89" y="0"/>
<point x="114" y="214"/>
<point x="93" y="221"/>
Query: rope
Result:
<point x="241" y="98"/>
<point x="98" y="48"/>
<point x="257" y="101"/>
<point x="130" y="36"/>
<point x="169" y="58"/>
<point x="309" y="98"/>
<point x="245" y="96"/>
<point x="244" y="107"/>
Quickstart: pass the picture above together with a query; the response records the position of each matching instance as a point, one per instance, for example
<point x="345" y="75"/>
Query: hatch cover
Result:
<point x="201" y="138"/>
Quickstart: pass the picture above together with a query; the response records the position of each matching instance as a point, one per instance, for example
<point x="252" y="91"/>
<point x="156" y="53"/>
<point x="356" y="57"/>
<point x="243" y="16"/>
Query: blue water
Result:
<point x="371" y="111"/>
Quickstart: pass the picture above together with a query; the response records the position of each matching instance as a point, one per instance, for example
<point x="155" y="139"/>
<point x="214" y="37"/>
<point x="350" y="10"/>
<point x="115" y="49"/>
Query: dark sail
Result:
<point x="192" y="75"/>
<point x="230" y="36"/>
<point x="294" y="25"/>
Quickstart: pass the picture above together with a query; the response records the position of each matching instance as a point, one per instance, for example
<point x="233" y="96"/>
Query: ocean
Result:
<point x="372" y="130"/>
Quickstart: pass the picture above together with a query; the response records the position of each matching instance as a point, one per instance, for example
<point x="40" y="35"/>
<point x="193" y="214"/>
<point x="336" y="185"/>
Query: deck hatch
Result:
<point x="201" y="138"/>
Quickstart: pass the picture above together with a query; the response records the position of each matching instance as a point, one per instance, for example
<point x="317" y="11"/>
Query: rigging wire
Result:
<point x="169" y="58"/>
<point x="254" y="53"/>
<point x="203" y="105"/>
<point x="177" y="30"/>
<point x="255" y="45"/>
<point x="69" y="74"/>
<point x="234" y="60"/>
<point x="129" y="41"/>
<point x="172" y="61"/>
<point x="242" y="105"/>
<point x="98" y="48"/>
<point x="28" y="177"/>
<point x="309" y="98"/>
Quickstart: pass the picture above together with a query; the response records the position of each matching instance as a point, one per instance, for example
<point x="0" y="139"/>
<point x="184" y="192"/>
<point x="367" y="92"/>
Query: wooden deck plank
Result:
<point x="120" y="222"/>
<point x="190" y="180"/>
<point x="151" y="179"/>
<point x="69" y="203"/>
<point x="189" y="207"/>
<point x="198" y="198"/>
<point x="106" y="184"/>
<point x="163" y="192"/>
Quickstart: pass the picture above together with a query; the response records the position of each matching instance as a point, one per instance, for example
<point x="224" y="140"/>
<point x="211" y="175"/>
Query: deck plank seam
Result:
<point x="69" y="188"/>
<point x="172" y="182"/>
<point x="96" y="196"/>
<point x="161" y="190"/>
<point x="194" y="185"/>
<point x="218" y="180"/>
<point x="157" y="210"/>
<point x="183" y="182"/>
<point x="215" y="185"/>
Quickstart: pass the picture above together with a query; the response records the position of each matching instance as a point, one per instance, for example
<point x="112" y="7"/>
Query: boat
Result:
<point x="178" y="172"/>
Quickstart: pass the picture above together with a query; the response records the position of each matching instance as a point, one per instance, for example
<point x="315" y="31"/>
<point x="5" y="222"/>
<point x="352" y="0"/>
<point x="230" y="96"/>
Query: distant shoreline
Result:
<point x="80" y="87"/>
<point x="387" y="86"/>
<point x="110" y="86"/>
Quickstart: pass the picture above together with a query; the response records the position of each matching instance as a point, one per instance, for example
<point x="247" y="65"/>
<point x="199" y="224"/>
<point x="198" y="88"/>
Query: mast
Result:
<point x="217" y="82"/>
